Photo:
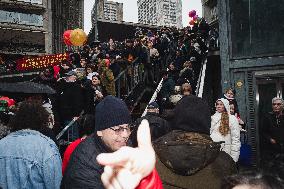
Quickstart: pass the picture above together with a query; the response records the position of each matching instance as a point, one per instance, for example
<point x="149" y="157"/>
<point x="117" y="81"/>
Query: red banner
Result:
<point x="40" y="62"/>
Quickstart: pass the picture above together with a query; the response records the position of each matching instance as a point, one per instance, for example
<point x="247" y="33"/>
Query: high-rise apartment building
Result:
<point x="160" y="12"/>
<point x="107" y="10"/>
<point x="113" y="11"/>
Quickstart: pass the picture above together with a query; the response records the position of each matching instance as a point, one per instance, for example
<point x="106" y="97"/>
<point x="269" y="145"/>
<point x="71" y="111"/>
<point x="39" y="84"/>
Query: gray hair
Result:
<point x="277" y="98"/>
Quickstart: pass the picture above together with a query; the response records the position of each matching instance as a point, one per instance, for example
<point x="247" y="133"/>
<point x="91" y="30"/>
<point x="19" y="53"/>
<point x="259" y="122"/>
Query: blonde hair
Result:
<point x="224" y="125"/>
<point x="229" y="89"/>
<point x="183" y="88"/>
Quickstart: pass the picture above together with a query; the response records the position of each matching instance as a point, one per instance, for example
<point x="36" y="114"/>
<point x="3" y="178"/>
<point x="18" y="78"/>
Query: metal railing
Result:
<point x="128" y="79"/>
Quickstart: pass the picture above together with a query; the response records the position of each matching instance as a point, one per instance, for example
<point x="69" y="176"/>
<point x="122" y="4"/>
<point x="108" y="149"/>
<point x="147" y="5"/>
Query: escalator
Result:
<point x="208" y="86"/>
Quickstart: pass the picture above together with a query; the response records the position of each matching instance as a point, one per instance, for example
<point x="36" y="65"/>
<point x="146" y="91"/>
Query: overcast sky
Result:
<point x="130" y="12"/>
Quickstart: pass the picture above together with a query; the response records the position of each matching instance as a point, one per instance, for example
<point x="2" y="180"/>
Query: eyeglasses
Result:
<point x="278" y="104"/>
<point x="120" y="130"/>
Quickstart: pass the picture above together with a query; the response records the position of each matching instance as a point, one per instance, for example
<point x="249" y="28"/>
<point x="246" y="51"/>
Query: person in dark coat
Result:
<point x="158" y="125"/>
<point x="112" y="131"/>
<point x="94" y="92"/>
<point x="179" y="60"/>
<point x="173" y="72"/>
<point x="168" y="86"/>
<point x="186" y="74"/>
<point x="187" y="157"/>
<point x="272" y="132"/>
<point x="70" y="102"/>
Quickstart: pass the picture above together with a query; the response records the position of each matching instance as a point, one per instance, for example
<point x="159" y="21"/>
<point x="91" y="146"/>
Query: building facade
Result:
<point x="25" y="27"/>
<point x="35" y="27"/>
<point x="118" y="31"/>
<point x="113" y="11"/>
<point x="160" y="12"/>
<point x="66" y="15"/>
<point x="252" y="58"/>
<point x="210" y="12"/>
<point x="107" y="10"/>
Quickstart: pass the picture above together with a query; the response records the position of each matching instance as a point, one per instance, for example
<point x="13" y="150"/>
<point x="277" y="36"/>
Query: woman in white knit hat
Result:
<point x="225" y="127"/>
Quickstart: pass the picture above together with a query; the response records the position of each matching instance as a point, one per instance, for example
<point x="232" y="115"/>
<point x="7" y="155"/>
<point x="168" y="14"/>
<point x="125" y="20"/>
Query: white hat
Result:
<point x="226" y="104"/>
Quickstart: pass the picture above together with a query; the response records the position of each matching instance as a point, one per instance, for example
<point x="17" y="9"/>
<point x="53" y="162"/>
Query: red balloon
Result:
<point x="66" y="37"/>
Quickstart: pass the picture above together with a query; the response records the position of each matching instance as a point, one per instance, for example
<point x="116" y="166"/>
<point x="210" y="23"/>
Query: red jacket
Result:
<point x="68" y="153"/>
<point x="152" y="181"/>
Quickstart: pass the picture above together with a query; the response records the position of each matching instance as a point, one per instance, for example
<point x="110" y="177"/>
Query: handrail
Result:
<point x="18" y="74"/>
<point x="201" y="79"/>
<point x="159" y="87"/>
<point x="118" y="78"/>
<point x="129" y="80"/>
<point x="153" y="98"/>
<point x="123" y="71"/>
<point x="199" y="88"/>
<point x="68" y="125"/>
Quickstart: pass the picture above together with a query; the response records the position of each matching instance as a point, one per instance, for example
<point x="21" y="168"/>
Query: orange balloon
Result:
<point x="78" y="37"/>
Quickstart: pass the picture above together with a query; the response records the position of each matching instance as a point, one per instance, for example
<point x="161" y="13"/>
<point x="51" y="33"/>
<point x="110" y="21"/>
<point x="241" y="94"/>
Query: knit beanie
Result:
<point x="192" y="114"/>
<point x="111" y="111"/>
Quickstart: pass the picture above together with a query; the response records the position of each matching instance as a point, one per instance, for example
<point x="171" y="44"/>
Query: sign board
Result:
<point x="40" y="62"/>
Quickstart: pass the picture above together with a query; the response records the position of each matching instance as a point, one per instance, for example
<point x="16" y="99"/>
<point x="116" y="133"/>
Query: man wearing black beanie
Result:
<point x="112" y="131"/>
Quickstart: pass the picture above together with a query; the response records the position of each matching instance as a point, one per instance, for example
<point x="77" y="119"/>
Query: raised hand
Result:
<point x="125" y="168"/>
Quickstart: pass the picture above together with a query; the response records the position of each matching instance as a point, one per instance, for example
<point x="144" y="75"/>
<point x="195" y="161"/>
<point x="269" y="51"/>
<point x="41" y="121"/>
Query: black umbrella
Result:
<point x="26" y="87"/>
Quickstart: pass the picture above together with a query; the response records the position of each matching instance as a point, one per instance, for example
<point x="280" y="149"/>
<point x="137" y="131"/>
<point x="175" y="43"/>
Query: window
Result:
<point x="32" y="1"/>
<point x="21" y="18"/>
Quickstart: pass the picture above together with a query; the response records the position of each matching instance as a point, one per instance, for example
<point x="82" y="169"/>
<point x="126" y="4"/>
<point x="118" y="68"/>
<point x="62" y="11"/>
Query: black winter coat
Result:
<point x="89" y="97"/>
<point x="273" y="128"/>
<point x="70" y="100"/>
<point x="83" y="170"/>
<point x="158" y="126"/>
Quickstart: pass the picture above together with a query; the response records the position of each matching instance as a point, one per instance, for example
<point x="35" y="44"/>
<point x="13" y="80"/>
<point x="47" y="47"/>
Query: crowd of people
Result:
<point x="181" y="145"/>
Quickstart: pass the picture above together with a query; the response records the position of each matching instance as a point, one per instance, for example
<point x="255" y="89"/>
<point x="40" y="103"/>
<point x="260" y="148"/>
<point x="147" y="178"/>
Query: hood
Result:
<point x="228" y="98"/>
<point x="226" y="104"/>
<point x="192" y="114"/>
<point x="186" y="153"/>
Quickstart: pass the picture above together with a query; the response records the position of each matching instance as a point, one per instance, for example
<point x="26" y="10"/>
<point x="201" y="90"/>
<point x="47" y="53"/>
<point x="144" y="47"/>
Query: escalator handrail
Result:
<point x="153" y="98"/>
<point x="201" y="79"/>
<point x="199" y="88"/>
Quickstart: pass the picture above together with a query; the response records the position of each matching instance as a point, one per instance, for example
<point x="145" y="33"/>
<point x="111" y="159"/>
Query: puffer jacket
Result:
<point x="83" y="170"/>
<point x="232" y="143"/>
<point x="191" y="160"/>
